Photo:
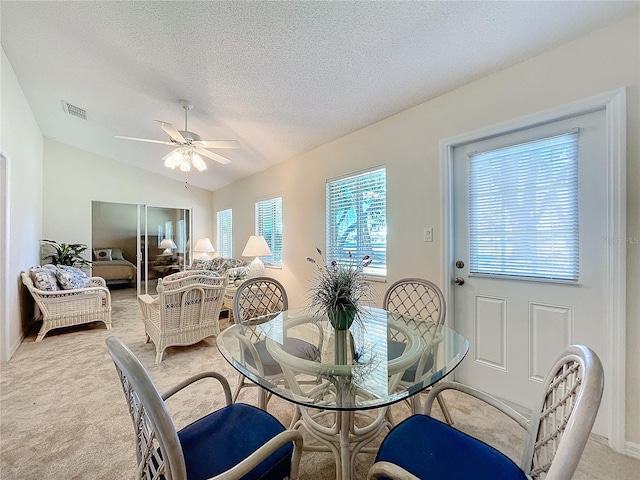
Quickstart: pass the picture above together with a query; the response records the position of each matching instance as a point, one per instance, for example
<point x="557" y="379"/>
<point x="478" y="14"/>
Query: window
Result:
<point x="269" y="225"/>
<point x="225" y="233"/>
<point x="181" y="241"/>
<point x="523" y="210"/>
<point x="357" y="219"/>
<point x="168" y="229"/>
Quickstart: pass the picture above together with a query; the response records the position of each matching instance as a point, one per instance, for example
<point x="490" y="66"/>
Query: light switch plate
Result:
<point x="428" y="234"/>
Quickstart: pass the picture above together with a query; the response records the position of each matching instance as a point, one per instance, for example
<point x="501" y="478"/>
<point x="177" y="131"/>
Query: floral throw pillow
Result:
<point x="199" y="264"/>
<point x="222" y="264"/>
<point x="44" y="278"/>
<point x="71" y="278"/>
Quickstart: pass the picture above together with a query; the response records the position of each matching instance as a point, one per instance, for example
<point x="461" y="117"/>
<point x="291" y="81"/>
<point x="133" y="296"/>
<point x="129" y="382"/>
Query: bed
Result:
<point x="109" y="264"/>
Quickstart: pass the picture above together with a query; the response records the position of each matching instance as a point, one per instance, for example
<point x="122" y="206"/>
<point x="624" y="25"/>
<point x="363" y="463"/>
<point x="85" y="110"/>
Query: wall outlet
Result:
<point x="428" y="234"/>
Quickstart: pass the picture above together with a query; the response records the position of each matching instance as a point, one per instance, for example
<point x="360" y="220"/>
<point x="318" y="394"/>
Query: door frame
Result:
<point x="614" y="105"/>
<point x="5" y="238"/>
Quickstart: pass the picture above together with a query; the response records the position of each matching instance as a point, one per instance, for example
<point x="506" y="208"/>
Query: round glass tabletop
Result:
<point x="383" y="358"/>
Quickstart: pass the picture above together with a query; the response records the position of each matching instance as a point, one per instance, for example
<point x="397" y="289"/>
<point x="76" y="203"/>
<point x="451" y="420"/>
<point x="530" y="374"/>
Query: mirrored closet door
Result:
<point x="164" y="236"/>
<point x="135" y="244"/>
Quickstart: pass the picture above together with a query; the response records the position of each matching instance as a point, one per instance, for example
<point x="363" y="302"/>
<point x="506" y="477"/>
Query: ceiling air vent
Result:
<point x="73" y="110"/>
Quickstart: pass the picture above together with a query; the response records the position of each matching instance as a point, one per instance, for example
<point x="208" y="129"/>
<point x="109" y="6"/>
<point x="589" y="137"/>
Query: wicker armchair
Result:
<point x="556" y="433"/>
<point x="65" y="308"/>
<point x="236" y="441"/>
<point x="186" y="310"/>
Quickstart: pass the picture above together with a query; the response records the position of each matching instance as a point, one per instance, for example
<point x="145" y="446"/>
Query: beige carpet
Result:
<point x="63" y="414"/>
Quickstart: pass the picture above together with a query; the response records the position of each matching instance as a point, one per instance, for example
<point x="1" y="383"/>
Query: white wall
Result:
<point x="73" y="178"/>
<point x="408" y="144"/>
<point x="21" y="143"/>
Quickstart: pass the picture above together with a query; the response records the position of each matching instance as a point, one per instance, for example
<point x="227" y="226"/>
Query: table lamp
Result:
<point x="256" y="247"/>
<point x="204" y="245"/>
<point x="167" y="244"/>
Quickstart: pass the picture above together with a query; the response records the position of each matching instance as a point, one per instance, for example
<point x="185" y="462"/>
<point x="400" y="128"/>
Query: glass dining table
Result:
<point x="342" y="381"/>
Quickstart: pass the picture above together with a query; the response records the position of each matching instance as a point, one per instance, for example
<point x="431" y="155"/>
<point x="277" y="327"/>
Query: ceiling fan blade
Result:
<point x="145" y="140"/>
<point x="171" y="131"/>
<point x="212" y="156"/>
<point x="217" y="143"/>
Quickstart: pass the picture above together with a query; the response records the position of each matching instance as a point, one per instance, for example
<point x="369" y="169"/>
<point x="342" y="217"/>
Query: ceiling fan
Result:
<point x="190" y="148"/>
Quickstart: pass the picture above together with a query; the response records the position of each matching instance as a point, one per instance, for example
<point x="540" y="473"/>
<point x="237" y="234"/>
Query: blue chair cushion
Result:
<point x="431" y="449"/>
<point x="224" y="438"/>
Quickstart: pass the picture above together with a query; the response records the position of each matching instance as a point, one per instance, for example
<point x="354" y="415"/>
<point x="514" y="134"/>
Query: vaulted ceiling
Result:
<point x="280" y="77"/>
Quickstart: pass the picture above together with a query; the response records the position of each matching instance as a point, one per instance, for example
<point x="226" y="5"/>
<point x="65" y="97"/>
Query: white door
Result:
<point x="517" y="325"/>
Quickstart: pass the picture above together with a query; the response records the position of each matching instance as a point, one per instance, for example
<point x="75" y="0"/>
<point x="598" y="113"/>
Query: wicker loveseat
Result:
<point x="232" y="268"/>
<point x="59" y="307"/>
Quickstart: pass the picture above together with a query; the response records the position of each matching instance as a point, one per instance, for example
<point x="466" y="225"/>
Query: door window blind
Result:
<point x="225" y="233"/>
<point x="523" y="210"/>
<point x="269" y="225"/>
<point x="357" y="219"/>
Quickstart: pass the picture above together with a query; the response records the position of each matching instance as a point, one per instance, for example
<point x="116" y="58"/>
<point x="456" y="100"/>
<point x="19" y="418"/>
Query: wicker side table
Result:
<point x="227" y="301"/>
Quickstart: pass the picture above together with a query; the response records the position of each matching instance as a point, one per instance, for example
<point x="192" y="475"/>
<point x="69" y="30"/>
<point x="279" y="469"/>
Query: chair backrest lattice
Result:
<point x="419" y="299"/>
<point x="158" y="451"/>
<point x="190" y="301"/>
<point x="257" y="297"/>
<point x="416" y="298"/>
<point x="560" y="428"/>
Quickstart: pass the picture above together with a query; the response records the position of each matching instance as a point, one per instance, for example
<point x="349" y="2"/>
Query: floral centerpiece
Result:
<point x="338" y="289"/>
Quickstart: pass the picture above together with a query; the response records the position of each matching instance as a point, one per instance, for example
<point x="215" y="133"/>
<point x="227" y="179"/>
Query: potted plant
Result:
<point x="66" y="254"/>
<point x="338" y="290"/>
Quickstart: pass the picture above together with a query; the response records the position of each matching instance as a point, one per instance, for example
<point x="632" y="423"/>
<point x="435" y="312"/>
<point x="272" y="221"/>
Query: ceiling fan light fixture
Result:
<point x="185" y="166"/>
<point x="198" y="162"/>
<point x="173" y="159"/>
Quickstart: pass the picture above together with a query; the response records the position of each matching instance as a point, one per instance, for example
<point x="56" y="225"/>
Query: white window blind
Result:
<point x="182" y="236"/>
<point x="357" y="219"/>
<point x="225" y="233"/>
<point x="523" y="203"/>
<point x="168" y="229"/>
<point x="269" y="225"/>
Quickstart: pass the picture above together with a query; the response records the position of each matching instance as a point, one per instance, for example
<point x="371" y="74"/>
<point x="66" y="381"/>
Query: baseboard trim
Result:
<point x="632" y="450"/>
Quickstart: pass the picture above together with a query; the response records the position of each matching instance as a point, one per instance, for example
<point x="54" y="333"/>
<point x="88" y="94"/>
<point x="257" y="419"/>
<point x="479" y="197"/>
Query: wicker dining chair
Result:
<point x="236" y="441"/>
<point x="423" y="301"/>
<point x="257" y="297"/>
<point x="557" y="431"/>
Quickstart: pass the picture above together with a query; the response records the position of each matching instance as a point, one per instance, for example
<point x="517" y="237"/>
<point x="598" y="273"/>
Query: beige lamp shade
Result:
<point x="256" y="247"/>
<point x="167" y="244"/>
<point x="204" y="246"/>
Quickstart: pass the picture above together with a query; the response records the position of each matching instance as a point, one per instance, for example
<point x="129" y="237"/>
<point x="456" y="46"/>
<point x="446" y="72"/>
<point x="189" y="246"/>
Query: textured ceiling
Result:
<point x="279" y="77"/>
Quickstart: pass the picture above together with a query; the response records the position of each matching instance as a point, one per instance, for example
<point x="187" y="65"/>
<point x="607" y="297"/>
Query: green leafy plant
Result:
<point x="236" y="275"/>
<point x="66" y="254"/>
<point x="338" y="290"/>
